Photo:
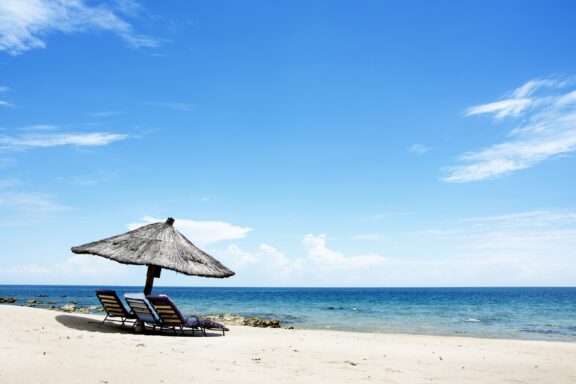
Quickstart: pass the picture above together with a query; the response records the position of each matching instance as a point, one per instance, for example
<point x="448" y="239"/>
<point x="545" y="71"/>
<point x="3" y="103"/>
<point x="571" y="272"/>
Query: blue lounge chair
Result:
<point x="172" y="317"/>
<point x="142" y="309"/>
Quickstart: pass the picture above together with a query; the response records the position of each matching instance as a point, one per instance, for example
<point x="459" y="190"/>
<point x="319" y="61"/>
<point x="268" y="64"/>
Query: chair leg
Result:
<point x="104" y="319"/>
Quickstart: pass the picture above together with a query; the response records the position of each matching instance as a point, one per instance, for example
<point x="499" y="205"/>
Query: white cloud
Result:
<point x="326" y="258"/>
<point x="544" y="116"/>
<point x="45" y="140"/>
<point x="25" y="24"/>
<point x="237" y="256"/>
<point x="4" y="89"/>
<point x="418" y="149"/>
<point x="202" y="232"/>
<point x="503" y="108"/>
<point x="283" y="265"/>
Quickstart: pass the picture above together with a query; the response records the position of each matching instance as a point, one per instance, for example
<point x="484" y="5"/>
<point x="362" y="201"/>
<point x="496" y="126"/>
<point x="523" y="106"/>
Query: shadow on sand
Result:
<point x="86" y="324"/>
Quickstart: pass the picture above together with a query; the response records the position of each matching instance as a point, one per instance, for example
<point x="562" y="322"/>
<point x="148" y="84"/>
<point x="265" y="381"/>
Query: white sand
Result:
<point x="40" y="346"/>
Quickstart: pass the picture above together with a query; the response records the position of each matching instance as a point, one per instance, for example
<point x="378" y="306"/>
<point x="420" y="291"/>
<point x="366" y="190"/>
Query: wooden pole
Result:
<point x="153" y="271"/>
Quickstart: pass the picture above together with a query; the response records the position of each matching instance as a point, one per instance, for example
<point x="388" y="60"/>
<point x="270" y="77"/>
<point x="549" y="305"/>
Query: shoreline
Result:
<point x="517" y="314"/>
<point x="232" y="319"/>
<point x="55" y="347"/>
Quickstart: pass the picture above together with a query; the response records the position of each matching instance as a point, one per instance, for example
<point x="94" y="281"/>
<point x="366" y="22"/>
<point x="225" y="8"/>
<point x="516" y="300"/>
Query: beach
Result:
<point x="38" y="345"/>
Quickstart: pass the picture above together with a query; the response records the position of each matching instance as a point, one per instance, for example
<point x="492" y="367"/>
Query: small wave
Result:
<point x="472" y="320"/>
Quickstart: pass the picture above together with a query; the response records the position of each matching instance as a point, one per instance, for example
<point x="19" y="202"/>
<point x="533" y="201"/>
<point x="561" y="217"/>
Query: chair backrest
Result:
<point x="142" y="308"/>
<point x="167" y="310"/>
<point x="111" y="303"/>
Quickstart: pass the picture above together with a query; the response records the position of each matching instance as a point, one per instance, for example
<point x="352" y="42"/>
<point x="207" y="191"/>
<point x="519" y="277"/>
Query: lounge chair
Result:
<point x="142" y="309"/>
<point x="113" y="307"/>
<point x="173" y="318"/>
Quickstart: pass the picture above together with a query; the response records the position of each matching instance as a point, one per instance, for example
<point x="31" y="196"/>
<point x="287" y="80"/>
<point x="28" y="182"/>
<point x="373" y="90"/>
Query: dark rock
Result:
<point x="32" y="302"/>
<point x="261" y="323"/>
<point x="7" y="300"/>
<point x="246" y="321"/>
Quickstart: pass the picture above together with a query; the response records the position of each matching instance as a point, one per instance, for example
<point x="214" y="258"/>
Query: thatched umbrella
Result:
<point x="158" y="246"/>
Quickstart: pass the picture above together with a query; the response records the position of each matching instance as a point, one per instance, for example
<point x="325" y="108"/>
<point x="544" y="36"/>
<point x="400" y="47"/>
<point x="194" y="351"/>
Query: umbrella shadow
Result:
<point x="85" y="324"/>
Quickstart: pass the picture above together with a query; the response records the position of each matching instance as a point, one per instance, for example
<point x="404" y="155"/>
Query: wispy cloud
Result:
<point x="10" y="182"/>
<point x="54" y="139"/>
<point x="369" y="237"/>
<point x="24" y="25"/>
<point x="4" y="103"/>
<point x="543" y="218"/>
<point x="418" y="149"/>
<point x="30" y="202"/>
<point x="202" y="232"/>
<point x="383" y="216"/>
<point x="73" y="266"/>
<point x="6" y="162"/>
<point x="19" y="208"/>
<point x="534" y="246"/>
<point x="542" y="118"/>
<point x="93" y="178"/>
<point x="38" y="128"/>
<point x="103" y="114"/>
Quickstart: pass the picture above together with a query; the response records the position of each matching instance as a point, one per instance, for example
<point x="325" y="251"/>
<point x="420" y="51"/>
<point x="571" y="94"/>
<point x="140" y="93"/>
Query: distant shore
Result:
<point x="38" y="345"/>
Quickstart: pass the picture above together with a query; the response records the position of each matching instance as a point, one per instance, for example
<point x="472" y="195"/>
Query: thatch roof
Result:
<point x="158" y="244"/>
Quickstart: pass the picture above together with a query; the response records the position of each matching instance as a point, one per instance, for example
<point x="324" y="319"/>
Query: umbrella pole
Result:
<point x="153" y="271"/>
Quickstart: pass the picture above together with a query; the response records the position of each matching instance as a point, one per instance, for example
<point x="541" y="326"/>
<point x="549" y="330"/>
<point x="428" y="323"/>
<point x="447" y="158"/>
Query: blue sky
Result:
<point x="302" y="143"/>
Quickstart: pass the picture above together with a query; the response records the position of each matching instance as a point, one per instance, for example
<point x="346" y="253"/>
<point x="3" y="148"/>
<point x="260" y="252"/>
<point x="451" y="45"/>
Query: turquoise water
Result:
<point x="518" y="313"/>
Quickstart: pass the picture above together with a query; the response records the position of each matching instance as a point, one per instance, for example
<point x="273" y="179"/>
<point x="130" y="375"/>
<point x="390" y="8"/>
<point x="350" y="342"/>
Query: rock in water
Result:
<point x="253" y="321"/>
<point x="7" y="300"/>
